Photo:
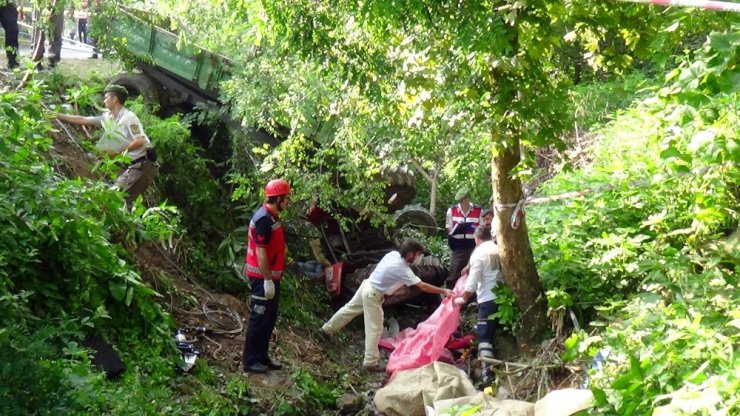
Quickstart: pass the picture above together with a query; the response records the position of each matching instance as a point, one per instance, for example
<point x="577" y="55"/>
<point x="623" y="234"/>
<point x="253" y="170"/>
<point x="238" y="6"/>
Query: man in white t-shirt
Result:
<point x="392" y="273"/>
<point x="484" y="275"/>
<point x="123" y="134"/>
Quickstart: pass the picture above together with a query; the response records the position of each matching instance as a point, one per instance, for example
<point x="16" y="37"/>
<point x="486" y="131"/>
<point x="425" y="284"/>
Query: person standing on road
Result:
<point x="391" y="274"/>
<point x="54" y="26"/>
<point x="9" y="22"/>
<point x="80" y="16"/>
<point x="265" y="263"/>
<point x="124" y="126"/>
<point x="461" y="221"/>
<point x="484" y="275"/>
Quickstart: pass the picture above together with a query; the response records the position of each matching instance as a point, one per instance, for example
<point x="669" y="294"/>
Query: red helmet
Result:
<point x="277" y="187"/>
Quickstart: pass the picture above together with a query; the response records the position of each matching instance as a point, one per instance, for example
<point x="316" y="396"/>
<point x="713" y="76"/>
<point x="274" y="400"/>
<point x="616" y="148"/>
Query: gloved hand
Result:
<point x="269" y="286"/>
<point x="460" y="301"/>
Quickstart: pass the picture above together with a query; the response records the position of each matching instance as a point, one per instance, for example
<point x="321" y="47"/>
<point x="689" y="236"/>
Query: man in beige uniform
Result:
<point x="123" y="134"/>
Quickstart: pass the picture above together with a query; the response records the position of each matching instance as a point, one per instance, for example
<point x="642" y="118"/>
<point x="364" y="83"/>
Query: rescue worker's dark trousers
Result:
<point x="486" y="327"/>
<point x="262" y="320"/>
<point x="458" y="260"/>
<point x="486" y="330"/>
<point x="82" y="30"/>
<point x="9" y="22"/>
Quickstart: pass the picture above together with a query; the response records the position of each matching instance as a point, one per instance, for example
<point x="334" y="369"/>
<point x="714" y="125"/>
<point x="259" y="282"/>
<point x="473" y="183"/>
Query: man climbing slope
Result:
<point x="123" y="127"/>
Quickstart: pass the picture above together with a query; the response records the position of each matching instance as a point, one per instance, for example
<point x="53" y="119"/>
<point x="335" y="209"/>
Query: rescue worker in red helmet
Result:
<point x="265" y="263"/>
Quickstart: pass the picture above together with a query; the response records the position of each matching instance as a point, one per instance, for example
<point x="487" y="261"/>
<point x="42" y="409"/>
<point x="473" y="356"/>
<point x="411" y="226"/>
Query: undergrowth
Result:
<point x="649" y="257"/>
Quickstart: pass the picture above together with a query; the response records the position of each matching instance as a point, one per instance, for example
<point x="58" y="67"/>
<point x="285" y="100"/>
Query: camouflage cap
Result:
<point x="463" y="192"/>
<point x="118" y="89"/>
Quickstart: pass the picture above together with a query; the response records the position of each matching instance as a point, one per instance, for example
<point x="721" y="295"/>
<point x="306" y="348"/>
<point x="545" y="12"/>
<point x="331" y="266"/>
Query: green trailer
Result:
<point x="173" y="72"/>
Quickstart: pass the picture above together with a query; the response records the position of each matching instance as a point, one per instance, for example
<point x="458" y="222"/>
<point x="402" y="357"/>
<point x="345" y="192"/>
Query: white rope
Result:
<point x="702" y="4"/>
<point x="517" y="216"/>
<point x="519" y="212"/>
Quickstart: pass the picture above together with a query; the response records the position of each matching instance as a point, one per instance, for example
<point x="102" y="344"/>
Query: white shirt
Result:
<point x="485" y="269"/>
<point x="119" y="132"/>
<point x="391" y="273"/>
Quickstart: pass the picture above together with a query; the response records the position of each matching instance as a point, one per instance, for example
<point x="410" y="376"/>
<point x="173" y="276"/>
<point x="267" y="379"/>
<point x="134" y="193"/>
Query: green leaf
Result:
<point x="129" y="295"/>
<point x="599" y="396"/>
<point x="670" y="153"/>
<point x="623" y="382"/>
<point x="117" y="290"/>
<point x="724" y="41"/>
<point x="636" y="368"/>
<point x="672" y="27"/>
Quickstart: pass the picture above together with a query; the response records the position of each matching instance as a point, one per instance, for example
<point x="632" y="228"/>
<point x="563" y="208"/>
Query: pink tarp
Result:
<point x="426" y="343"/>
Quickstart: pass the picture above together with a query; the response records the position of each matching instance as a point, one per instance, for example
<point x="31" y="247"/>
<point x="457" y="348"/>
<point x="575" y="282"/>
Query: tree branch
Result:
<point x="422" y="171"/>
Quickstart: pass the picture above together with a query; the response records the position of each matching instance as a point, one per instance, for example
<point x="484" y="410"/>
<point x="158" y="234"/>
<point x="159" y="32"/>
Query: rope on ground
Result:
<point x="211" y="309"/>
<point x="215" y="352"/>
<point x="214" y="308"/>
<point x="66" y="130"/>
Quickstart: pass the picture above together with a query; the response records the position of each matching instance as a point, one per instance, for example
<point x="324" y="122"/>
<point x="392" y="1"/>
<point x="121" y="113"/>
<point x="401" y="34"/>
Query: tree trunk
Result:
<point x="432" y="180"/>
<point x="433" y="198"/>
<point x="517" y="261"/>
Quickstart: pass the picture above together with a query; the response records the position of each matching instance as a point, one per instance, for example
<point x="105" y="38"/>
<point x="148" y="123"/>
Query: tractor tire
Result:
<point x="137" y="85"/>
<point x="416" y="218"/>
<point x="431" y="271"/>
<point x="401" y="188"/>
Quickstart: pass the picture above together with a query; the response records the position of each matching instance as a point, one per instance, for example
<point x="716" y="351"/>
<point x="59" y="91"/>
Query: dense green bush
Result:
<point x="187" y="181"/>
<point x="649" y="249"/>
<point x="67" y="270"/>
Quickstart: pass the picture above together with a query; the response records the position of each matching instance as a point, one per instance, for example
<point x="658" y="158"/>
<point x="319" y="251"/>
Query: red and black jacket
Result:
<point x="266" y="230"/>
<point x="463" y="226"/>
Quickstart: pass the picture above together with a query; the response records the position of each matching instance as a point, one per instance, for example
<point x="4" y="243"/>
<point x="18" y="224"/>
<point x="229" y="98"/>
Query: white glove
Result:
<point x="460" y="301"/>
<point x="269" y="289"/>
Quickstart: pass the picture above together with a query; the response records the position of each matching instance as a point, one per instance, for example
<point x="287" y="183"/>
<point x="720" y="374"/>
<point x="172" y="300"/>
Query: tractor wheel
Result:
<point x="416" y="218"/>
<point x="430" y="271"/>
<point x="139" y="84"/>
<point x="401" y="188"/>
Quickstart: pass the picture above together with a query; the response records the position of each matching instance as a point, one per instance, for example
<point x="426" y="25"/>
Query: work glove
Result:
<point x="460" y="301"/>
<point x="269" y="289"/>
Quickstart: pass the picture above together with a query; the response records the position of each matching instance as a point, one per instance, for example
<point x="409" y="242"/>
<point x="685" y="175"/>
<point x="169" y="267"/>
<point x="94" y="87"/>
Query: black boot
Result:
<point x="487" y="377"/>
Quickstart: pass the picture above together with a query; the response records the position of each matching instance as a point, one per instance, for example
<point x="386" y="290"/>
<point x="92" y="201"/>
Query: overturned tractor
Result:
<point x="351" y="255"/>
